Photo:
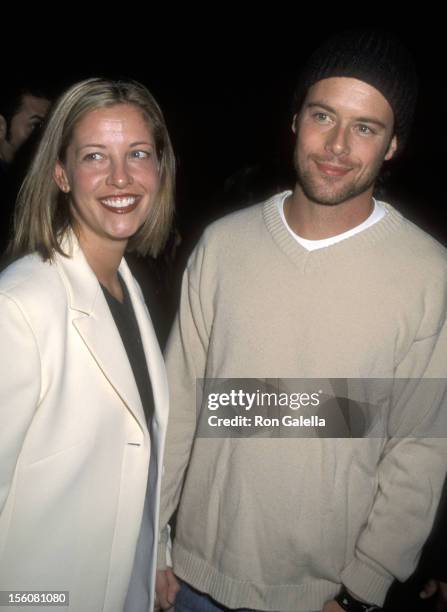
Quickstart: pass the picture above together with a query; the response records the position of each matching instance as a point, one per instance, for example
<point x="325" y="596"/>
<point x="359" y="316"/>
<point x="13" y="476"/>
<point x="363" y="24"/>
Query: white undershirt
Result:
<point x="311" y="245"/>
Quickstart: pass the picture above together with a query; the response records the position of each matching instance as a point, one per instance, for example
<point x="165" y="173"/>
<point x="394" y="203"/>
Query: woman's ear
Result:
<point x="60" y="177"/>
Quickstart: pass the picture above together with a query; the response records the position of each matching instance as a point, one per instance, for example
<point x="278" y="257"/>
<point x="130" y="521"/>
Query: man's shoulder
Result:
<point x="420" y="245"/>
<point x="247" y="222"/>
<point x="231" y="240"/>
<point x="238" y="221"/>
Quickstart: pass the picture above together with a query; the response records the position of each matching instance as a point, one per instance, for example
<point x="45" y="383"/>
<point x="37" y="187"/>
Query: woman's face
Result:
<point x="111" y="171"/>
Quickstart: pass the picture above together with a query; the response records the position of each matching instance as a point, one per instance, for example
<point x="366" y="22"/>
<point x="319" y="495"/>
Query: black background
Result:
<point x="225" y="83"/>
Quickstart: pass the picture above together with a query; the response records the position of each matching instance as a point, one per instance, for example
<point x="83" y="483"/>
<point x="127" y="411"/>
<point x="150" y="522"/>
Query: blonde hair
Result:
<point x="42" y="215"/>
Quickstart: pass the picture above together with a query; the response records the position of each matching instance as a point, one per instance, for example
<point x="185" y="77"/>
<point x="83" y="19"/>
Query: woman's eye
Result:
<point x="93" y="157"/>
<point x="141" y="154"/>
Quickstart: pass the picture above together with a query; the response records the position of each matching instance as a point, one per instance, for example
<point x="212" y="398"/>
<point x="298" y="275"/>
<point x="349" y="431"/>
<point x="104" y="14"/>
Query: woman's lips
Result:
<point x="120" y="204"/>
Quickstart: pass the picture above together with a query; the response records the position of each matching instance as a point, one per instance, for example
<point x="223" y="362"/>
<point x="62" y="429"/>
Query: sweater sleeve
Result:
<point x="19" y="388"/>
<point x="185" y="362"/>
<point x="410" y="474"/>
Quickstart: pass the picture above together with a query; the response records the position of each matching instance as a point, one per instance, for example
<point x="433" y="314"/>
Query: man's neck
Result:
<point x="319" y="221"/>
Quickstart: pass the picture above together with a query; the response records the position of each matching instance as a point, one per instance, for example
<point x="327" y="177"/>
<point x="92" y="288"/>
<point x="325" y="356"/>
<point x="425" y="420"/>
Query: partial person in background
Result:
<point x="83" y="391"/>
<point x="22" y="112"/>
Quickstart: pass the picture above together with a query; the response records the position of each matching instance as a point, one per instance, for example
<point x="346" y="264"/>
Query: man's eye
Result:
<point x="365" y="129"/>
<point x="36" y="125"/>
<point x="321" y="117"/>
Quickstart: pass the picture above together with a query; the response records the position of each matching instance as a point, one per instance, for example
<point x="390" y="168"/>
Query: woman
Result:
<point x="83" y="392"/>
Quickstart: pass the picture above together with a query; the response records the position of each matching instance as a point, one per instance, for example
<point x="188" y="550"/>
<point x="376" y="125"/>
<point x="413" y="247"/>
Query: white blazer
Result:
<point x="74" y="445"/>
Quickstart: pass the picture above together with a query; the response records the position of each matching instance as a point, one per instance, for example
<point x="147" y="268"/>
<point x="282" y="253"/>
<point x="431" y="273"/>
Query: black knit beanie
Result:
<point x="375" y="57"/>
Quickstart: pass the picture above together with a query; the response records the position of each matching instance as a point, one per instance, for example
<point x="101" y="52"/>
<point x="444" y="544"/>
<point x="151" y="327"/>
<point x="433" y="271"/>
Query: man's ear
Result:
<point x="294" y="122"/>
<point x="60" y="177"/>
<point x="391" y="149"/>
<point x="3" y="128"/>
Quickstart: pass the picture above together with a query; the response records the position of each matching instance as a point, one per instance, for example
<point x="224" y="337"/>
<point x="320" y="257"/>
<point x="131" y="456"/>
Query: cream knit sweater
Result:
<point x="278" y="524"/>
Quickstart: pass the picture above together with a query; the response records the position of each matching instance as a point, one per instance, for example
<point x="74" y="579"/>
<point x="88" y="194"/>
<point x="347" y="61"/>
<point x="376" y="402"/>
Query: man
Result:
<point x="19" y="117"/>
<point x="21" y="114"/>
<point x="320" y="283"/>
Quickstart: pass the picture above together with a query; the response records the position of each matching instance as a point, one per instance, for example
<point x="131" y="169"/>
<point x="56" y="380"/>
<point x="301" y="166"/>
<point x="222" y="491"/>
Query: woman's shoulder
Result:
<point x="31" y="278"/>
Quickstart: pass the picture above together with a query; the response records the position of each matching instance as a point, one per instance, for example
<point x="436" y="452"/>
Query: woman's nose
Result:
<point x="119" y="175"/>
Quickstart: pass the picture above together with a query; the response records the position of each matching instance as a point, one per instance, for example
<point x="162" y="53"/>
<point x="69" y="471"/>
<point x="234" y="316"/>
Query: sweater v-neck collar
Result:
<point x="349" y="247"/>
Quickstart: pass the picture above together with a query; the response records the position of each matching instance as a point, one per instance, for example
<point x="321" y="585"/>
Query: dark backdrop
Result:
<point x="225" y="86"/>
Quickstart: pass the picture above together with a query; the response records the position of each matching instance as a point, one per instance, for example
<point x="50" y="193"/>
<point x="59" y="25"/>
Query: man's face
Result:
<point x="28" y="117"/>
<point x="344" y="133"/>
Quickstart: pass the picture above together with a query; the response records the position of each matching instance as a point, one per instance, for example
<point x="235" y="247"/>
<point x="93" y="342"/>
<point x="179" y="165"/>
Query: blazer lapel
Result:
<point x="95" y="325"/>
<point x="152" y="350"/>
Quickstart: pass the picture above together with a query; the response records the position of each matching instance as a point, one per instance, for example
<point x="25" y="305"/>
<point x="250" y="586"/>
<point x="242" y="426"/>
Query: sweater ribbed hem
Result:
<point x="243" y="594"/>
<point x="365" y="582"/>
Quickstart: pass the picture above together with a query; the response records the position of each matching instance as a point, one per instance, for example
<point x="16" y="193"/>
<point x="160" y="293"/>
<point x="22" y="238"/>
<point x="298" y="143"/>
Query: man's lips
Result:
<point x="331" y="169"/>
<point x="121" y="204"/>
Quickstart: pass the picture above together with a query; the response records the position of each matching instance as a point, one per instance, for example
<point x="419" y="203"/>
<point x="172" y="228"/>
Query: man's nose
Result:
<point x="338" y="141"/>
